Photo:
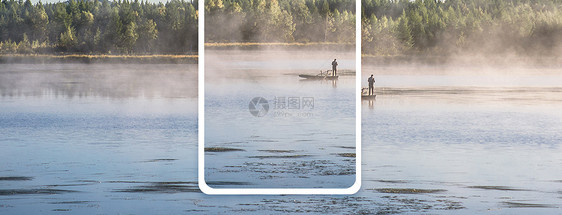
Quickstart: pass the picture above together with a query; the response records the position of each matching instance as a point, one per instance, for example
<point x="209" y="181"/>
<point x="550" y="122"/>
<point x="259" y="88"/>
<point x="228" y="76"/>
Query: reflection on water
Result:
<point x="370" y="102"/>
<point x="426" y="149"/>
<point x="88" y="138"/>
<point x="102" y="80"/>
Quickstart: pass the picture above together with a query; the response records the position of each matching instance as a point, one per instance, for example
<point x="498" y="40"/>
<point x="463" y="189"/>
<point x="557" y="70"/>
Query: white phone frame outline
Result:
<point x="275" y="191"/>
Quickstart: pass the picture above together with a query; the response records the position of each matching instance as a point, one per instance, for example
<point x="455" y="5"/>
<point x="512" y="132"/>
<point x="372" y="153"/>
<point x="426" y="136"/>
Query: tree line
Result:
<point x="280" y="21"/>
<point x="389" y="27"/>
<point x="522" y="27"/>
<point x="98" y="26"/>
<point x="133" y="26"/>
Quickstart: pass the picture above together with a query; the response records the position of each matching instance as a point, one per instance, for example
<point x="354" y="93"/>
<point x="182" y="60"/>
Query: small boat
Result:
<point x="318" y="77"/>
<point x="368" y="96"/>
<point x="365" y="94"/>
<point x="321" y="76"/>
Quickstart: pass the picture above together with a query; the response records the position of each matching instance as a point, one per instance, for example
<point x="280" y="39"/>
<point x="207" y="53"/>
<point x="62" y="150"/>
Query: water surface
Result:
<point x="107" y="139"/>
<point x="297" y="140"/>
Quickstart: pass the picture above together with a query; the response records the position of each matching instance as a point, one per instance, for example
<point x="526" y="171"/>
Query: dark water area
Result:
<point x="107" y="139"/>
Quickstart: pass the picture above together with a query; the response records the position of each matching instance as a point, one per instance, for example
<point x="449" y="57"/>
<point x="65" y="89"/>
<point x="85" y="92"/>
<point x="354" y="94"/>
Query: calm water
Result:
<point x="300" y="140"/>
<point x="107" y="139"/>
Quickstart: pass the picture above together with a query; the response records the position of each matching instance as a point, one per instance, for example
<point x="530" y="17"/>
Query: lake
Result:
<point x="303" y="138"/>
<point x="110" y="138"/>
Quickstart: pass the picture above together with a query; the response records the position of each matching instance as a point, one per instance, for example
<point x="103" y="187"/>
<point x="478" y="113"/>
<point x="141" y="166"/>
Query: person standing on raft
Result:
<point x="371" y="81"/>
<point x="334" y="67"/>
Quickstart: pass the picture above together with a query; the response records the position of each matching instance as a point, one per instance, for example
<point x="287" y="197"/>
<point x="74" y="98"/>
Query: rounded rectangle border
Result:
<point x="275" y="191"/>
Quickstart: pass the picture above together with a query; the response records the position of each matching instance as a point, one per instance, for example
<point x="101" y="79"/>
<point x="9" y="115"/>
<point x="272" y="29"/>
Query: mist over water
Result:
<point x="450" y="139"/>
<point x="292" y="144"/>
<point x="486" y="135"/>
<point x="99" y="80"/>
<point x="79" y="138"/>
<point x="475" y="130"/>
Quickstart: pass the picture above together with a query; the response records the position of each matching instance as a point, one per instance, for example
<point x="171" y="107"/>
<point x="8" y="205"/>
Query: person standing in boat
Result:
<point x="371" y="81"/>
<point x="334" y="67"/>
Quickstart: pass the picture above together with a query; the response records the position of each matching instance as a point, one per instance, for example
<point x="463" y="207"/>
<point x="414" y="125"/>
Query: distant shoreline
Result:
<point x="295" y="45"/>
<point x="96" y="58"/>
<point x="367" y="60"/>
<point x="461" y="60"/>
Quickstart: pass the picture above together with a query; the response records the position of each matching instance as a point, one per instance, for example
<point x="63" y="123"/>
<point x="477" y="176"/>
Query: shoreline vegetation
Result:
<point x="213" y="45"/>
<point x="97" y="58"/>
<point x="120" y="27"/>
<point x="393" y="31"/>
<point x="367" y="59"/>
<point x="310" y="46"/>
<point x="461" y="60"/>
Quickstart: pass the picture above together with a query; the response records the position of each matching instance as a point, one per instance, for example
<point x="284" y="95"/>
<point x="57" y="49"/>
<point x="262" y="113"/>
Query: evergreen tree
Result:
<point x="404" y="31"/>
<point x="67" y="40"/>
